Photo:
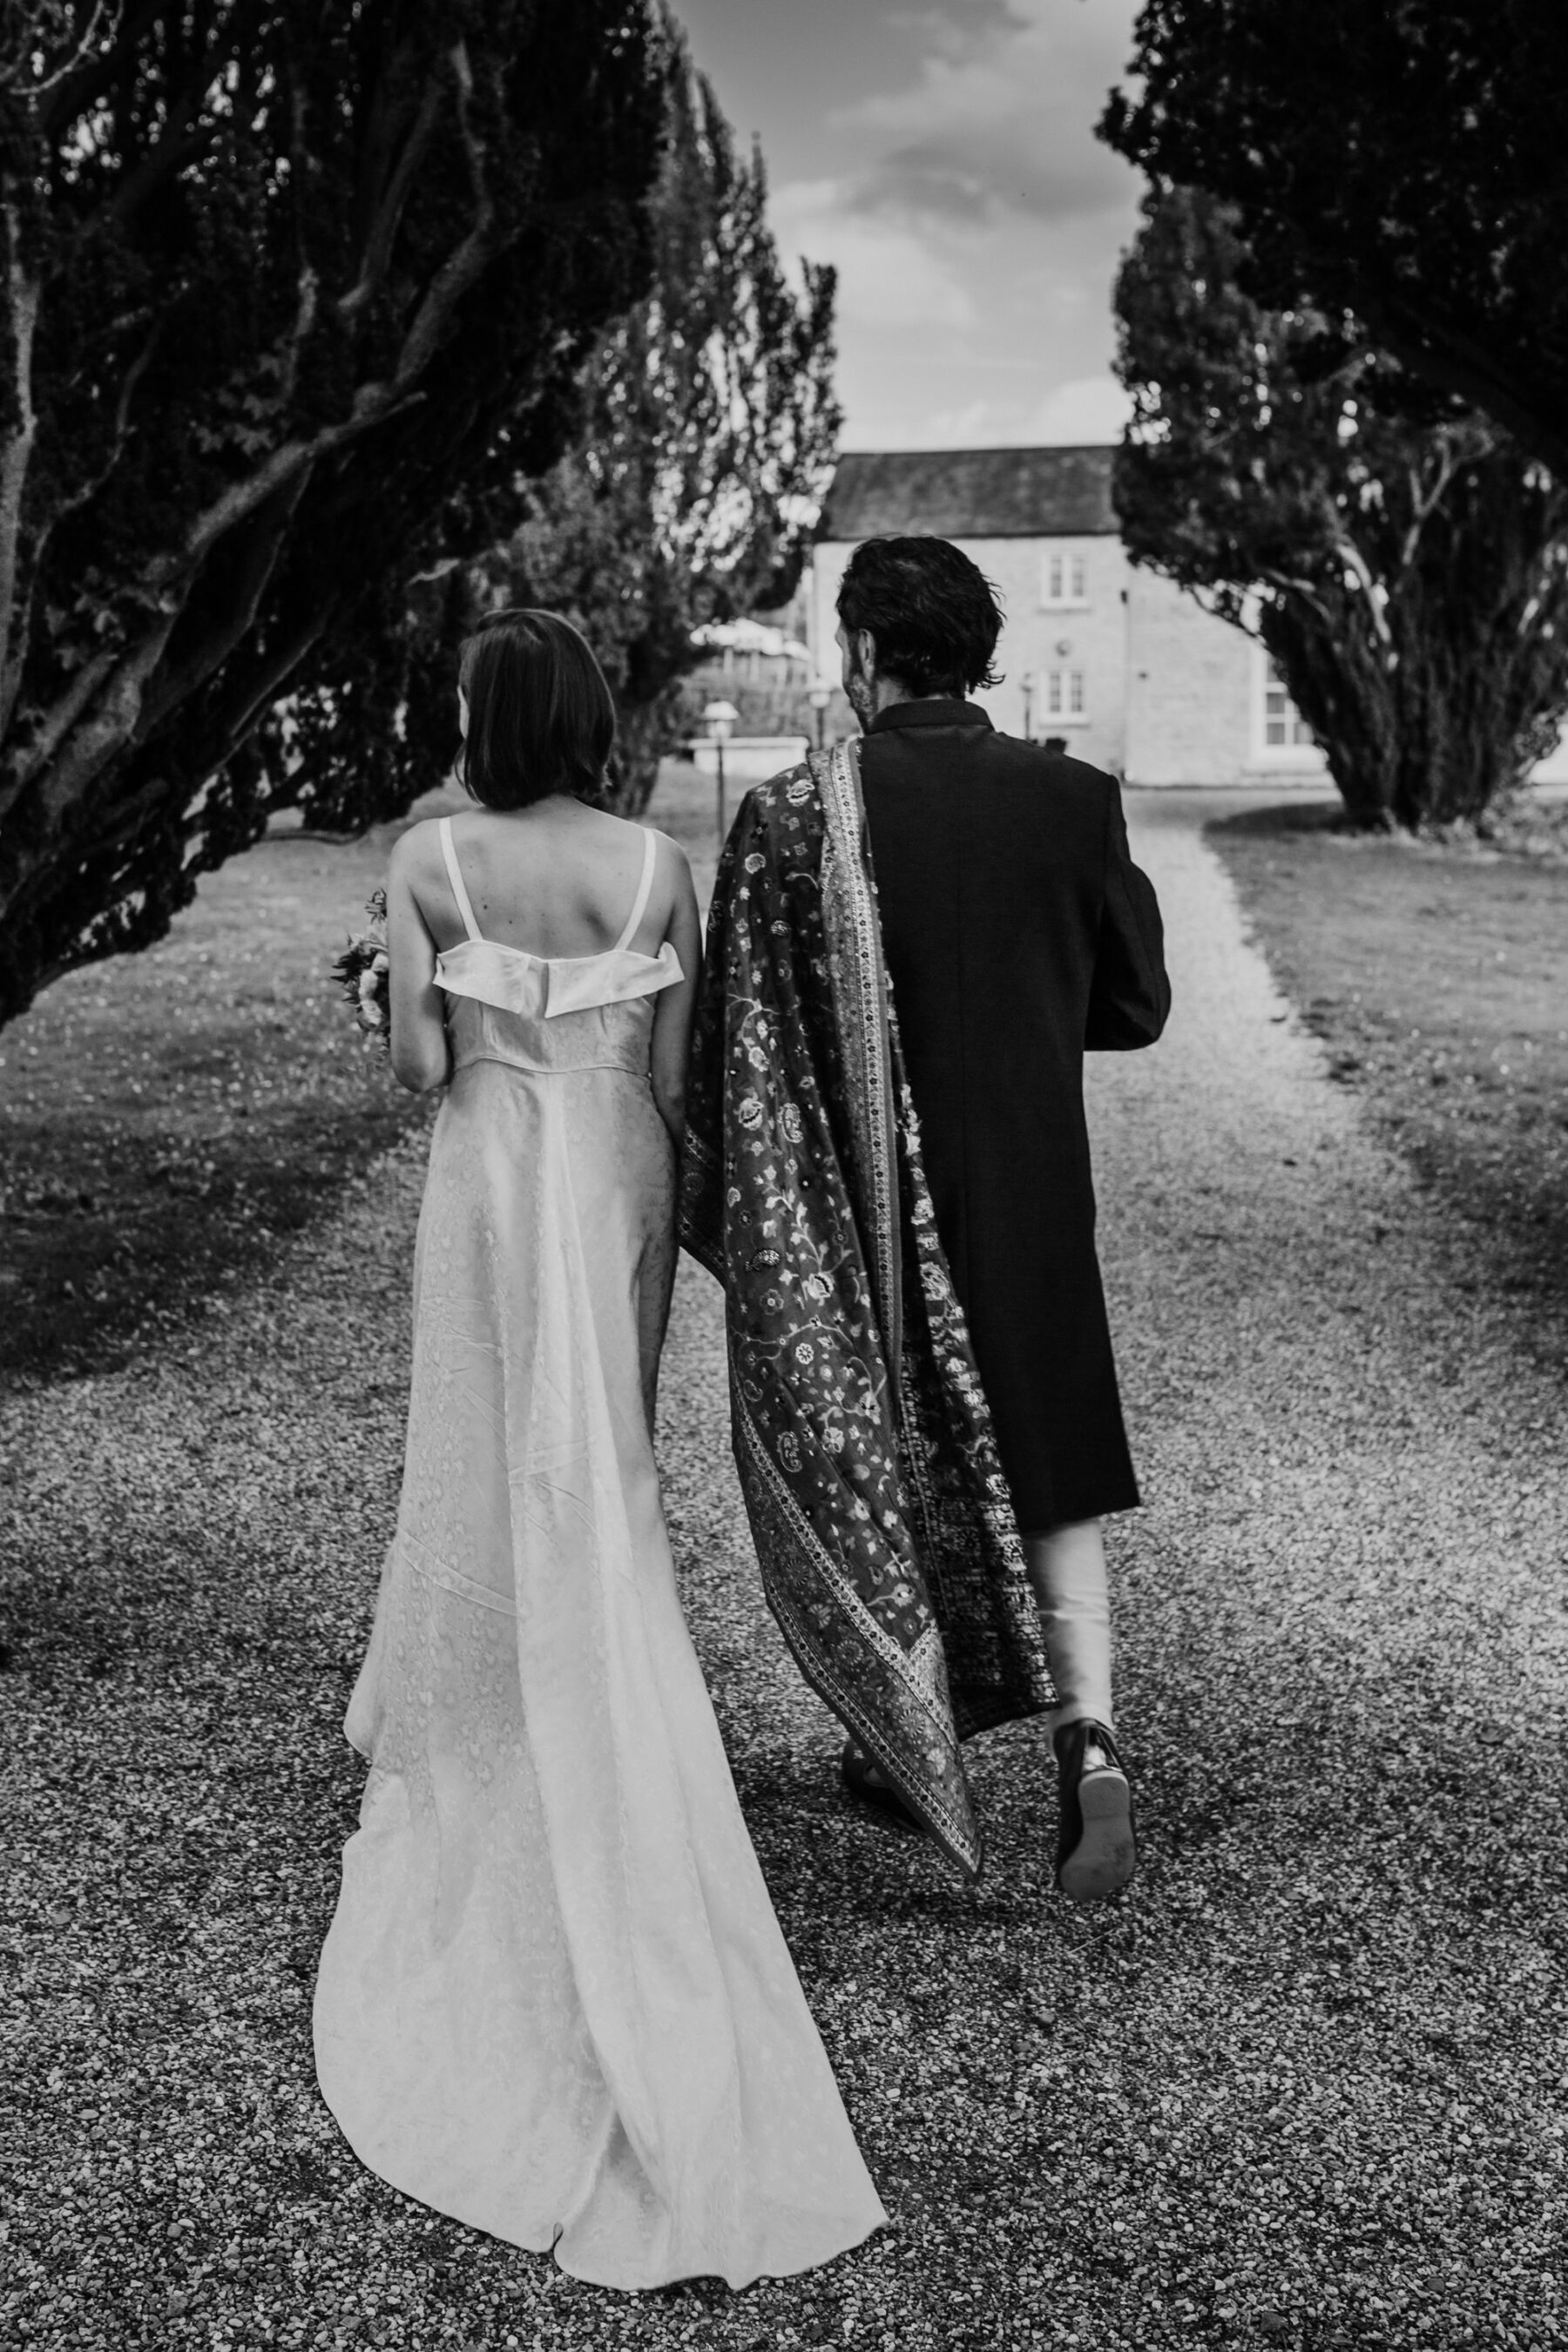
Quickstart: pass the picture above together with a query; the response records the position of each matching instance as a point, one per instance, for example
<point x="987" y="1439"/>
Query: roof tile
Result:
<point x="971" y="493"/>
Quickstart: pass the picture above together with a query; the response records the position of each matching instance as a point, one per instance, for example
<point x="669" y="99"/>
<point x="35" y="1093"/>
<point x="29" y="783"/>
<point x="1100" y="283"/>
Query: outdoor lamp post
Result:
<point x="1027" y="682"/>
<point x="820" y="697"/>
<point x="719" y="718"/>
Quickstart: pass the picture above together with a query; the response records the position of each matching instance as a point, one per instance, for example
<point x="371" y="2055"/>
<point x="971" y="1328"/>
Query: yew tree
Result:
<point x="708" y="437"/>
<point x="1403" y="161"/>
<point x="296" y="292"/>
<point x="1405" y="562"/>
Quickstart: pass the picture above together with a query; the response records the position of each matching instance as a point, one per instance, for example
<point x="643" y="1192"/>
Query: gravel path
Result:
<point x="1303" y="2085"/>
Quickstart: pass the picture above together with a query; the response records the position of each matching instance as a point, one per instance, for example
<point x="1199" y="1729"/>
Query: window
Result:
<point x="1065" y="695"/>
<point x="1064" y="578"/>
<point x="1283" y="725"/>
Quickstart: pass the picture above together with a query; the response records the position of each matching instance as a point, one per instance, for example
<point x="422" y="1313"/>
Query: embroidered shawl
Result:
<point x="889" y="1552"/>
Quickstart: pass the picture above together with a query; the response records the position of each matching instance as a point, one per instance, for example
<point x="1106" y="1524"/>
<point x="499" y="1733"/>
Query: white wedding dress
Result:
<point x="554" y="2001"/>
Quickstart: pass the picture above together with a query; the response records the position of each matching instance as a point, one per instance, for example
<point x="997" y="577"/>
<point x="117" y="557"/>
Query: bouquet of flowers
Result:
<point x="361" y="973"/>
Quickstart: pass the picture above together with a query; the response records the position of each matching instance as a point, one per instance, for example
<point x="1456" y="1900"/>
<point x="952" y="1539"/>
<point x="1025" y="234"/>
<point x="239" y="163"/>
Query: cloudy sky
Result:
<point x="944" y="157"/>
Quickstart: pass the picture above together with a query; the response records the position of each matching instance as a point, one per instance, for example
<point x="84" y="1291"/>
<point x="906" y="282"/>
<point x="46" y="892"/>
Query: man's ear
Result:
<point x="865" y="646"/>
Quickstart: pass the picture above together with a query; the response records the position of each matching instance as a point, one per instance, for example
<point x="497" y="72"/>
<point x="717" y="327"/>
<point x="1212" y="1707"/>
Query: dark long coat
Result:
<point x="1017" y="933"/>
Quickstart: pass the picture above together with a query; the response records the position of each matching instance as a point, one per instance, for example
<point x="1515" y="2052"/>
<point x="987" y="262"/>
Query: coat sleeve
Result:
<point x="1130" y="996"/>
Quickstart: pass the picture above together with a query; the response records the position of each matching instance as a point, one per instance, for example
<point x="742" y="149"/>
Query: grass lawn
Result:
<point x="1438" y="976"/>
<point x="168" y="1120"/>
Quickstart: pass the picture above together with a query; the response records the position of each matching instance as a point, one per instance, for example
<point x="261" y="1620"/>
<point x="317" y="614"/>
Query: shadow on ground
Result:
<point x="172" y="1121"/>
<point x="1437" y="975"/>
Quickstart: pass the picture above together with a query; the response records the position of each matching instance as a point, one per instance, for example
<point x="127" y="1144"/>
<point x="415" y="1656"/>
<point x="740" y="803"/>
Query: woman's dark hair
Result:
<point x="541" y="719"/>
<point x="935" y="614"/>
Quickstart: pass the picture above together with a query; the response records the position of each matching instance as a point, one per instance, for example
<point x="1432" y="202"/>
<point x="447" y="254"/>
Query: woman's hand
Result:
<point x="421" y="1057"/>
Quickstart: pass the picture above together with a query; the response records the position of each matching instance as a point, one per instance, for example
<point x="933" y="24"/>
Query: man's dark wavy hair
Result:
<point x="540" y="719"/>
<point x="933" y="614"/>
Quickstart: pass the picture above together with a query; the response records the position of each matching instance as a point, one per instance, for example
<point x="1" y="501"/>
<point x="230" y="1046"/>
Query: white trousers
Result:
<point x="1066" y="1568"/>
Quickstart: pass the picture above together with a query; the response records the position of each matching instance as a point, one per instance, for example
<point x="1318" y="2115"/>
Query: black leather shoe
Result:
<point x="856" y="1770"/>
<point x="1097" y="1846"/>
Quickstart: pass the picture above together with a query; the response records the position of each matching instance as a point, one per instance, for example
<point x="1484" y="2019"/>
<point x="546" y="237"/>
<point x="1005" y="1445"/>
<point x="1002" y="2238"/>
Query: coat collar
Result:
<point x="938" y="711"/>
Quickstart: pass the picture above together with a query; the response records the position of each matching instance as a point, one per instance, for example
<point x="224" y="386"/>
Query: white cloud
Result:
<point x="1087" y="409"/>
<point x="1004" y="124"/>
<point x="977" y="224"/>
<point x="889" y="275"/>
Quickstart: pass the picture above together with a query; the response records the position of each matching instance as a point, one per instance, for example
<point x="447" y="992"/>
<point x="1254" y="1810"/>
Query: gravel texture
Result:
<point x="1303" y="2085"/>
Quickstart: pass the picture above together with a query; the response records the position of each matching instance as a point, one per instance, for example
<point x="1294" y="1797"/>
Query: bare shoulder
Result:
<point x="672" y="858"/>
<point x="413" y="852"/>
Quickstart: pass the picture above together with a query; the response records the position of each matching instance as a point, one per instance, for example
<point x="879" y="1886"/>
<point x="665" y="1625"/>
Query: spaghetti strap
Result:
<point x="455" y="876"/>
<point x="644" y="886"/>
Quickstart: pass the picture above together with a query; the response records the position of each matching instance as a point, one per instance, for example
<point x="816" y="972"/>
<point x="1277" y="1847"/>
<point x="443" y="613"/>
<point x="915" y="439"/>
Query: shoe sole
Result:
<point x="1106" y="1855"/>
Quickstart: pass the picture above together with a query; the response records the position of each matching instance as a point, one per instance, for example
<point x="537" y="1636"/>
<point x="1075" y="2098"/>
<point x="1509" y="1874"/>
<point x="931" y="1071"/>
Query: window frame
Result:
<point x="1064" y="681"/>
<point x="1074" y="596"/>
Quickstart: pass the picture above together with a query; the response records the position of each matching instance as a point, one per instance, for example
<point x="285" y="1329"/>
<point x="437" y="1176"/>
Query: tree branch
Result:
<point x="224" y="628"/>
<point x="462" y="269"/>
<point x="17" y="456"/>
<point x="1448" y="357"/>
<point x="389" y="212"/>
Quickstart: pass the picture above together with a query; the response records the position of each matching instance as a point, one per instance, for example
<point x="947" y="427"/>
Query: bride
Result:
<point x="554" y="2001"/>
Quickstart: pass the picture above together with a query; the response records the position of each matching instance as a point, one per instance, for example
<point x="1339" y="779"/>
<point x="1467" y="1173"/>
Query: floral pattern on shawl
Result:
<point x="881" y="1519"/>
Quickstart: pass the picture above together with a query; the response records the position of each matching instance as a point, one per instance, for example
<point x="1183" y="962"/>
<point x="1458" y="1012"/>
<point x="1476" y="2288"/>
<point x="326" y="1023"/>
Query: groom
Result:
<point x="913" y="942"/>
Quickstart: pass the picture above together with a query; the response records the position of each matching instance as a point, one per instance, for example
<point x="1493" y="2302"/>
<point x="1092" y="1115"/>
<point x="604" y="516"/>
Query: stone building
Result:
<point x="1121" y="662"/>
<point x="1125" y="665"/>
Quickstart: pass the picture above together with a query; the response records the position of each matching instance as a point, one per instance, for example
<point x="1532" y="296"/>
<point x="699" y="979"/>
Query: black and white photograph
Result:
<point x="783" y="1175"/>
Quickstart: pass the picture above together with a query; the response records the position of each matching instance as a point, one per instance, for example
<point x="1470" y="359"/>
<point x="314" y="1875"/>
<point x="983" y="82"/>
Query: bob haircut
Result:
<point x="933" y="614"/>
<point x="540" y="719"/>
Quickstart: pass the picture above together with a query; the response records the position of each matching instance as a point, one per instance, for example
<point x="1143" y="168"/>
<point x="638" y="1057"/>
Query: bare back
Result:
<point x="556" y="879"/>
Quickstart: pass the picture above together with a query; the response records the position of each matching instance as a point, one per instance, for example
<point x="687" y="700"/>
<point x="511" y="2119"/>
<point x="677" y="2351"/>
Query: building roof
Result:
<point x="971" y="493"/>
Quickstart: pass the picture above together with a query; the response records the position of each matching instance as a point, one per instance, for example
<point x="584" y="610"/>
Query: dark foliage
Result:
<point x="1402" y="160"/>
<point x="1410" y="578"/>
<point x="708" y="439"/>
<point x="295" y="293"/>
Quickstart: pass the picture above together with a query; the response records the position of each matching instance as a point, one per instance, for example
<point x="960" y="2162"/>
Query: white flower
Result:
<point x="381" y="962"/>
<point x="372" y="1014"/>
<point x="367" y="986"/>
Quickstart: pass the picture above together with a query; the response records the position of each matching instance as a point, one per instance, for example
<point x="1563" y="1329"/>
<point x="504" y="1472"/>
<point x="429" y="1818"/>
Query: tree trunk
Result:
<point x="1341" y="685"/>
<point x="645" y="732"/>
<point x="1435" y="721"/>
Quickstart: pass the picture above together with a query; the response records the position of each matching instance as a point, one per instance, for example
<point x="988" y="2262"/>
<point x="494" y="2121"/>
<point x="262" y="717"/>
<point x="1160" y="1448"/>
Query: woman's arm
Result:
<point x="674" y="1007"/>
<point x="419" y="1050"/>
